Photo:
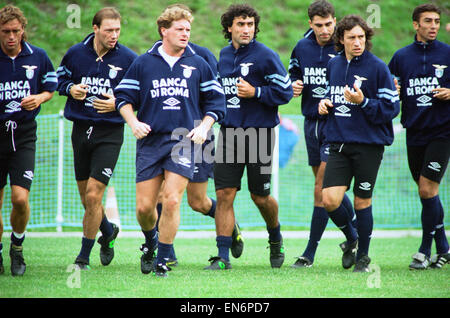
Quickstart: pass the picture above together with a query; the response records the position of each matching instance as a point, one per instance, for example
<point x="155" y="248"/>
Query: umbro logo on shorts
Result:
<point x="267" y="186"/>
<point x="29" y="175"/>
<point x="107" y="172"/>
<point x="184" y="162"/>
<point x="434" y="166"/>
<point x="365" y="186"/>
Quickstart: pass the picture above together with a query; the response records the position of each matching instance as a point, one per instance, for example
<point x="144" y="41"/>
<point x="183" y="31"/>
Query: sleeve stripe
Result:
<point x="387" y="91"/>
<point x="50" y="80"/>
<point x="213" y="82"/>
<point x="390" y="98"/>
<point x="213" y="115"/>
<point x="124" y="86"/>
<point x="62" y="70"/>
<point x="283" y="81"/>
<point x="129" y="81"/>
<point x="213" y="87"/>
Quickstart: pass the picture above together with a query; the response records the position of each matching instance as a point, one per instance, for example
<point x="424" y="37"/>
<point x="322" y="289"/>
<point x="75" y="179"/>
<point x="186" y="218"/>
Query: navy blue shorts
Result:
<point x="316" y="147"/>
<point x="158" y="152"/>
<point x="205" y="169"/>
<point x="430" y="160"/>
<point x="17" y="153"/>
<point x="96" y="149"/>
<point x="358" y="161"/>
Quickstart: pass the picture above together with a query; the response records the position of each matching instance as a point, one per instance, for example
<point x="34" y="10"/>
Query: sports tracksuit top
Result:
<point x="309" y="64"/>
<point x="371" y="121"/>
<point x="167" y="98"/>
<point x="29" y="73"/>
<point x="81" y="65"/>
<point x="420" y="68"/>
<point x="262" y="68"/>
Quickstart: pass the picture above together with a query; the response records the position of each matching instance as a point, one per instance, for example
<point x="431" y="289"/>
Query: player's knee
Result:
<point x="362" y="203"/>
<point x="19" y="201"/>
<point x="330" y="203"/>
<point x="224" y="195"/>
<point x="92" y="198"/>
<point x="427" y="192"/>
<point x="260" y="201"/>
<point x="171" y="203"/>
<point x="196" y="203"/>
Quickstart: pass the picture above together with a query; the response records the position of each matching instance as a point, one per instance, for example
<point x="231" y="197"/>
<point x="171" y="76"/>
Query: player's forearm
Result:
<point x="208" y="122"/>
<point x="45" y="96"/>
<point x="128" y="115"/>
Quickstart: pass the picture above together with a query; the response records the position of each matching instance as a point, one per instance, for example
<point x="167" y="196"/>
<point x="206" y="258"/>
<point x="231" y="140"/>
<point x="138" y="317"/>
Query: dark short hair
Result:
<point x="238" y="10"/>
<point x="105" y="13"/>
<point x="322" y="8"/>
<point x="427" y="7"/>
<point x="346" y="24"/>
<point x="9" y="13"/>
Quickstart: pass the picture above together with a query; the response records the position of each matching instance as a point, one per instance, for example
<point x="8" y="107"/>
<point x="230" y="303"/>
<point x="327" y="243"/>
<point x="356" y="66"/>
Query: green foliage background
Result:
<point x="282" y="24"/>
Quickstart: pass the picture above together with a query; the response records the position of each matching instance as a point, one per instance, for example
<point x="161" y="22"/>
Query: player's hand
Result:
<point x="79" y="91"/>
<point x="297" y="86"/>
<point x="105" y="105"/>
<point x="31" y="102"/>
<point x="442" y="93"/>
<point x="245" y="89"/>
<point x="397" y="86"/>
<point x="356" y="97"/>
<point x="324" y="104"/>
<point x="199" y="134"/>
<point x="140" y="129"/>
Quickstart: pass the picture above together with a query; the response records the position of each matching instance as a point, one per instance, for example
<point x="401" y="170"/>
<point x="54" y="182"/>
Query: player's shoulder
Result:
<point x="125" y="50"/>
<point x="404" y="51"/>
<point x="442" y="45"/>
<point x="36" y="50"/>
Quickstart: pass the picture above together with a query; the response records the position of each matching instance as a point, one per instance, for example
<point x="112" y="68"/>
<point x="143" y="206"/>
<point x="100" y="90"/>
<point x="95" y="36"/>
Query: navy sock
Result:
<point x="17" y="241"/>
<point x="365" y="227"/>
<point x="86" y="247"/>
<point x="342" y="221"/>
<point x="106" y="227"/>
<point x="163" y="253"/>
<point x="430" y="217"/>
<point x="159" y="211"/>
<point x="151" y="237"/>
<point x="172" y="253"/>
<point x="1" y="248"/>
<point x="347" y="203"/>
<point x="274" y="234"/>
<point x="319" y="222"/>
<point x="224" y="245"/>
<point x="439" y="237"/>
<point x="212" y="211"/>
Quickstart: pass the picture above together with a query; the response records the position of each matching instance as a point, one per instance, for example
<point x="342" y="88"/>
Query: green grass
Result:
<point x="251" y="277"/>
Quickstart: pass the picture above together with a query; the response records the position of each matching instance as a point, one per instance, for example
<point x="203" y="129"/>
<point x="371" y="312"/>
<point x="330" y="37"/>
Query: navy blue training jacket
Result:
<point x="262" y="68"/>
<point x="371" y="121"/>
<point x="309" y="63"/>
<point x="29" y="73"/>
<point x="81" y="65"/>
<point x="420" y="68"/>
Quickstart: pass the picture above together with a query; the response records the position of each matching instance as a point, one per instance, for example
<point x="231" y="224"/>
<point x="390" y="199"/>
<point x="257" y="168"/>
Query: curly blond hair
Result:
<point x="173" y="13"/>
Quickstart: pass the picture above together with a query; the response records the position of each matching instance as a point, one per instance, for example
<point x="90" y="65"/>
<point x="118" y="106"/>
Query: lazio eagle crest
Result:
<point x="439" y="71"/>
<point x="245" y="68"/>
<point x="187" y="70"/>
<point x="113" y="71"/>
<point x="359" y="80"/>
<point x="29" y="70"/>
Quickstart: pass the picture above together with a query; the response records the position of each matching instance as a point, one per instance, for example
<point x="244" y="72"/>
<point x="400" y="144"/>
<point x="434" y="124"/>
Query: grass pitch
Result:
<point x="49" y="272"/>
